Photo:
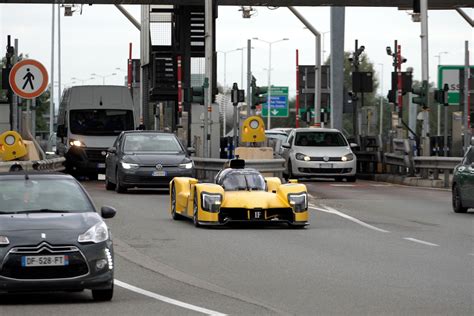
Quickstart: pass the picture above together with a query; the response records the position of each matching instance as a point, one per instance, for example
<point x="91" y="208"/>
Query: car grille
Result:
<point x="12" y="264"/>
<point x="95" y="155"/>
<point x="325" y="170"/>
<point x="129" y="178"/>
<point x="322" y="159"/>
<point x="241" y="214"/>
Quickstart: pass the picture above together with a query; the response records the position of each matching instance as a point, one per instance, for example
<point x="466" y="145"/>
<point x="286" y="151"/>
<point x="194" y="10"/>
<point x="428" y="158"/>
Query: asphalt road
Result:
<point x="371" y="249"/>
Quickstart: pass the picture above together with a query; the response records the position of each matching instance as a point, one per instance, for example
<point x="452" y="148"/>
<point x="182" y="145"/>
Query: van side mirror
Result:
<point x="112" y="150"/>
<point x="62" y="131"/>
<point x="191" y="150"/>
<point x="286" y="145"/>
<point x="354" y="145"/>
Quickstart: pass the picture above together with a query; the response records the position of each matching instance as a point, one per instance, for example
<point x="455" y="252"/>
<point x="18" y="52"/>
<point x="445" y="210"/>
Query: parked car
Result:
<point x="146" y="159"/>
<point x="275" y="138"/>
<point x="319" y="152"/>
<point x="51" y="237"/>
<point x="276" y="134"/>
<point x="463" y="183"/>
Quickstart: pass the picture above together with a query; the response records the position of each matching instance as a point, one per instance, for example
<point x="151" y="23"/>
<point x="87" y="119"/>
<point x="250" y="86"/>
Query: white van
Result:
<point x="89" y="120"/>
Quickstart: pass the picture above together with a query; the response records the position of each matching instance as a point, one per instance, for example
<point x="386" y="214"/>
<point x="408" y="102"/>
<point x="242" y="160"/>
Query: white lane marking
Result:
<point x="421" y="241"/>
<point x="331" y="210"/>
<point x="167" y="299"/>
<point x="343" y="185"/>
<point x="381" y="185"/>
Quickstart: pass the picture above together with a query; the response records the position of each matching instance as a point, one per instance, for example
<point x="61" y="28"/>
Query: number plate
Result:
<point x="101" y="165"/>
<point x="159" y="173"/>
<point x="257" y="215"/>
<point x="44" y="261"/>
<point x="325" y="165"/>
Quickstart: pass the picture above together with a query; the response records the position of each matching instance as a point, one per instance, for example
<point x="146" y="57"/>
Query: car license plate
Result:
<point x="325" y="165"/>
<point x="257" y="215"/>
<point x="101" y="165"/>
<point x="159" y="173"/>
<point x="44" y="261"/>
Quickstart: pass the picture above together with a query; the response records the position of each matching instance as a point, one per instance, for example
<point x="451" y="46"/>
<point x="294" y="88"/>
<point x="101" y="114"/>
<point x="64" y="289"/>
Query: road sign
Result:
<point x="450" y="75"/>
<point x="278" y="103"/>
<point x="28" y="79"/>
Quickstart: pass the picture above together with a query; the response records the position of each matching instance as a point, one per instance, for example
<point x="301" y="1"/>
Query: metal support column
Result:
<point x="337" y="65"/>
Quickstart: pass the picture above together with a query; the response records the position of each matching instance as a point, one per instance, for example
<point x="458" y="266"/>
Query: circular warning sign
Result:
<point x="28" y="78"/>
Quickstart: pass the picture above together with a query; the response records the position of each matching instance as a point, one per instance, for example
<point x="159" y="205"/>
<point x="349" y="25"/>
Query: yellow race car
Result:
<point x="239" y="194"/>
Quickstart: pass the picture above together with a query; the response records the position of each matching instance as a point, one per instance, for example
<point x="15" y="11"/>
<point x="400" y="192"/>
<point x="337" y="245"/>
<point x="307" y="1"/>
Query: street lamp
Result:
<point x="81" y="80"/>
<point x="225" y="63"/>
<point x="269" y="74"/>
<point x="438" y="123"/>
<point x="103" y="77"/>
<point x="381" y="100"/>
<point x="324" y="51"/>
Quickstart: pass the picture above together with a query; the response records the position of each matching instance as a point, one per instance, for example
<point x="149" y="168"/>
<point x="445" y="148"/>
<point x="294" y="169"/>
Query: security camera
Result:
<point x="389" y="50"/>
<point x="351" y="59"/>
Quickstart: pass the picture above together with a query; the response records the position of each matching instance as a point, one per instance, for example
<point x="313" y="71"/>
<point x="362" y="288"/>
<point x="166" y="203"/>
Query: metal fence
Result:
<point x="53" y="164"/>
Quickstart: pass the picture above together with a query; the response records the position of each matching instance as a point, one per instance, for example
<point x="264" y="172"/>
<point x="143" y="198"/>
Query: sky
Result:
<point x="97" y="41"/>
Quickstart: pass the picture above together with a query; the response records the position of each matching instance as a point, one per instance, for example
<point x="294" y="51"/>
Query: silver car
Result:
<point x="319" y="152"/>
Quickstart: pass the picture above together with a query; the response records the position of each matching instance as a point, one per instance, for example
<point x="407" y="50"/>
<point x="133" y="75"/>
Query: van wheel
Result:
<point x="351" y="179"/>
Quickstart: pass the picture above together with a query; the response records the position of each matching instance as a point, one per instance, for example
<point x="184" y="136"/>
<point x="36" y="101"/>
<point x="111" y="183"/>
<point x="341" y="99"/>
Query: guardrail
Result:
<point x="53" y="164"/>
<point x="207" y="168"/>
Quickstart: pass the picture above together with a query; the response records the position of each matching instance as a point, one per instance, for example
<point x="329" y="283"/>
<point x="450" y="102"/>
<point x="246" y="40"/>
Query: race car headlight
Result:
<point x="128" y="166"/>
<point x="186" y="165"/>
<point x="97" y="233"/>
<point x="211" y="202"/>
<point x="347" y="157"/>
<point x="76" y="143"/>
<point x="4" y="241"/>
<point x="300" y="156"/>
<point x="299" y="202"/>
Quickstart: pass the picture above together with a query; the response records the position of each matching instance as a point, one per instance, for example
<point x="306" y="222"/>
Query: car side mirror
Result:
<point x="472" y="165"/>
<point x="112" y="150"/>
<point x="107" y="211"/>
<point x="286" y="145"/>
<point x="353" y="145"/>
<point x="191" y="150"/>
<point x="61" y="131"/>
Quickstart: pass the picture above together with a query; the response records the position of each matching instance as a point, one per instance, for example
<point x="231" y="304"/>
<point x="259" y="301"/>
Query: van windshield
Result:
<point x="100" y="122"/>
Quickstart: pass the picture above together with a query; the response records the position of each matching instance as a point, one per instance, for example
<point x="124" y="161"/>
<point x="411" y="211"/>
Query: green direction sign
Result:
<point x="450" y="75"/>
<point x="278" y="103"/>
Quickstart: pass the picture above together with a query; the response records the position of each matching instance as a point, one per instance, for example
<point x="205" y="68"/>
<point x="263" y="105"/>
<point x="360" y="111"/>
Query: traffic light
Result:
<point x="194" y="95"/>
<point x="258" y="94"/>
<point x="421" y="95"/>
<point x="441" y="96"/>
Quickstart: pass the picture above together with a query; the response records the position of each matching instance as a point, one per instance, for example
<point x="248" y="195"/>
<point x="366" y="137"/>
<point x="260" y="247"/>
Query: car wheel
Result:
<point x="290" y="175"/>
<point x="103" y="295"/>
<point x="118" y="187"/>
<point x="351" y="179"/>
<point x="195" y="210"/>
<point x="457" y="201"/>
<point x="338" y="179"/>
<point x="109" y="185"/>
<point x="174" y="215"/>
<point x="92" y="176"/>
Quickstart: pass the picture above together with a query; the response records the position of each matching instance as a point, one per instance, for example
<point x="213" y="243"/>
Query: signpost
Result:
<point x="278" y="103"/>
<point x="450" y="75"/>
<point x="28" y="79"/>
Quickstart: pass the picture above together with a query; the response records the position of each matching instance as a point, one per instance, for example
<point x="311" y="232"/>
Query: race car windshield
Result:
<point x="243" y="182"/>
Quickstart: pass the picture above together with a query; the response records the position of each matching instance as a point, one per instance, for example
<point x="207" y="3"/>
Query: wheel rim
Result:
<point x="173" y="201"/>
<point x="195" y="210"/>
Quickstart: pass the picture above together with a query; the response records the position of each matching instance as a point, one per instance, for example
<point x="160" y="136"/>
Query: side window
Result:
<point x="469" y="159"/>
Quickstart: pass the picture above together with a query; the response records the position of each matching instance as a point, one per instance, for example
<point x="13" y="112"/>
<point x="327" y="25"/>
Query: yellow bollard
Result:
<point x="11" y="146"/>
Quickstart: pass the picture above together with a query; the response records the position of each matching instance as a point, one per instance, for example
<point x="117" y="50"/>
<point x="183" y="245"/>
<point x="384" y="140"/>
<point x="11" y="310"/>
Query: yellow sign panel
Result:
<point x="253" y="130"/>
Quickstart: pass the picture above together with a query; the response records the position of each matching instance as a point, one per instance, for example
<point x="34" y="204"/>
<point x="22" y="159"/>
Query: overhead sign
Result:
<point x="278" y="103"/>
<point x="28" y="79"/>
<point x="450" y="75"/>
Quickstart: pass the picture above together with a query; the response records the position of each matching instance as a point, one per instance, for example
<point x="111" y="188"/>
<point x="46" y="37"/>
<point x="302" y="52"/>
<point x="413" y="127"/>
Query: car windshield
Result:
<point x="320" y="139"/>
<point x="20" y="195"/>
<point x="149" y="142"/>
<point x="242" y="180"/>
<point x="101" y="122"/>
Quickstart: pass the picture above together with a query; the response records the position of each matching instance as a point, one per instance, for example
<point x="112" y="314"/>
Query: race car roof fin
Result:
<point x="237" y="163"/>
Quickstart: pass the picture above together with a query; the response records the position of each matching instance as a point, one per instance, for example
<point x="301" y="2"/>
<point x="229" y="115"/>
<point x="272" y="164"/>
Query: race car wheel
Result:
<point x="174" y="215"/>
<point x="294" y="226"/>
<point x="195" y="210"/>
<point x="457" y="201"/>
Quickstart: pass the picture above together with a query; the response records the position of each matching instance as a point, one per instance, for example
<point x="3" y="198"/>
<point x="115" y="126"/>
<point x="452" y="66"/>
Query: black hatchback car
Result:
<point x="463" y="183"/>
<point x="51" y="237"/>
<point x="146" y="159"/>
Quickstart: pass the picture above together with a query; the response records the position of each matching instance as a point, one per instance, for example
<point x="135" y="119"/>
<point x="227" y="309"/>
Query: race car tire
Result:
<point x="174" y="215"/>
<point x="195" y="210"/>
<point x="457" y="201"/>
<point x="295" y="226"/>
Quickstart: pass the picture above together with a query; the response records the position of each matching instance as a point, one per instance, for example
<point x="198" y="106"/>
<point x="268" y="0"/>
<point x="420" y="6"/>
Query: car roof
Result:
<point x="147" y="132"/>
<point x="36" y="175"/>
<point x="317" y="129"/>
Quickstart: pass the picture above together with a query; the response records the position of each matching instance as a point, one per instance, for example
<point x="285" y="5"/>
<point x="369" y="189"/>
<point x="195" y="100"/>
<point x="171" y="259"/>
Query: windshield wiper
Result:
<point x="43" y="210"/>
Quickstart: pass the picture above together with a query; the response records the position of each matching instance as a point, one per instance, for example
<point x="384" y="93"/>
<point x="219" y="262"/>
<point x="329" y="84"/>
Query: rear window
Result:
<point x="320" y="139"/>
<point x="35" y="194"/>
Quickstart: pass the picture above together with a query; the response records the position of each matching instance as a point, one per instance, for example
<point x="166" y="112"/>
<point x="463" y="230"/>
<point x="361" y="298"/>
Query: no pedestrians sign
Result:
<point x="28" y="79"/>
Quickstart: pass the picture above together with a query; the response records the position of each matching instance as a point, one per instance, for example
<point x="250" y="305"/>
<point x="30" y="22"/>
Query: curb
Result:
<point x="404" y="180"/>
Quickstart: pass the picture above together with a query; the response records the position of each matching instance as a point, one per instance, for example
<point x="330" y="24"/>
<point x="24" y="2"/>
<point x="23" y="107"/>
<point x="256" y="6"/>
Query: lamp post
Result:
<point x="103" y="77"/>
<point x="324" y="51"/>
<point x="225" y="63"/>
<point x="381" y="100"/>
<point x="438" y="122"/>
<point x="269" y="75"/>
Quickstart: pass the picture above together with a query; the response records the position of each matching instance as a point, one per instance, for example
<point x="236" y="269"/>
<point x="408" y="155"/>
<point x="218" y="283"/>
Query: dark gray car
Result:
<point x="146" y="159"/>
<point x="51" y="237"/>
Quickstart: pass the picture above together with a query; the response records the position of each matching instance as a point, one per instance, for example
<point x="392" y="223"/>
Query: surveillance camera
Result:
<point x="404" y="60"/>
<point x="389" y="50"/>
<point x="351" y="59"/>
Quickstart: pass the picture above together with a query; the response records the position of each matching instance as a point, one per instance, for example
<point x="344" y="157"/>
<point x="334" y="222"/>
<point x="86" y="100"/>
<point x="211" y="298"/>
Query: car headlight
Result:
<point x="299" y="202"/>
<point x="211" y="202"/>
<point x="97" y="233"/>
<point x="186" y="165"/>
<point x="4" y="241"/>
<point x="126" y="165"/>
<point x="348" y="157"/>
<point x="300" y="156"/>
<point x="76" y="143"/>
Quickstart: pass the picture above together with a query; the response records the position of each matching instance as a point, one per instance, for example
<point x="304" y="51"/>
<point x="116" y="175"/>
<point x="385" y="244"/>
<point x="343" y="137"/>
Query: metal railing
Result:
<point x="53" y="164"/>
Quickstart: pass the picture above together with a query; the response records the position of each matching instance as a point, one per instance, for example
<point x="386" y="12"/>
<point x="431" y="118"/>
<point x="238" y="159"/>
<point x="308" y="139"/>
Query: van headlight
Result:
<point x="76" y="143"/>
<point x="299" y="202"/>
<point x="97" y="233"/>
<point x="348" y="157"/>
<point x="186" y="165"/>
<point x="4" y="241"/>
<point x="128" y="166"/>
<point x="211" y="202"/>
